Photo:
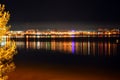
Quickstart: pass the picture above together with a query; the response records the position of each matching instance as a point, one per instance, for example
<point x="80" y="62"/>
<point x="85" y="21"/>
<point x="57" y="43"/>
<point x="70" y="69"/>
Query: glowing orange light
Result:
<point x="7" y="48"/>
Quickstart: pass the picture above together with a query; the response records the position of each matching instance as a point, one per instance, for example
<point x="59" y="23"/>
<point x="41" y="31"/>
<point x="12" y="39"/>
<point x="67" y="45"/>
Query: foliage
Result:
<point x="8" y="50"/>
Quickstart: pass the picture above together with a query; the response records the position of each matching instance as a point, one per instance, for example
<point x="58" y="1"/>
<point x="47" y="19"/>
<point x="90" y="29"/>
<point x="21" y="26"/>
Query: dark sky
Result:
<point x="63" y="10"/>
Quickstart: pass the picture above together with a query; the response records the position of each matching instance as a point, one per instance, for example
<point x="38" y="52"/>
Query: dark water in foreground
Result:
<point x="67" y="59"/>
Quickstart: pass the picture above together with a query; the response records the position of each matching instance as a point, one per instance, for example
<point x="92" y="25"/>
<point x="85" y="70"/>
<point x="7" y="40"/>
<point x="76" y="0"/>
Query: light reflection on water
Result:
<point x="73" y="47"/>
<point x="76" y="47"/>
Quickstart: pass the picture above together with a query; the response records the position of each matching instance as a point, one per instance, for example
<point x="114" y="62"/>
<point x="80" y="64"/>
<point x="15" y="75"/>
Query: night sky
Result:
<point x="64" y="12"/>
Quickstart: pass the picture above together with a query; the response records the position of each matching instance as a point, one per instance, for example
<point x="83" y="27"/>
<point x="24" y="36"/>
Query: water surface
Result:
<point x="67" y="59"/>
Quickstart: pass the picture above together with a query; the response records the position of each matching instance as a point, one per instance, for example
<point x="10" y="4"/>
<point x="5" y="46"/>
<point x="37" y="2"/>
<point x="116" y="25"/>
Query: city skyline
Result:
<point x="59" y="39"/>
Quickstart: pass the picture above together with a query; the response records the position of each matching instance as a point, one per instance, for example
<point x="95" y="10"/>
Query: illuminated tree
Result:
<point x="8" y="49"/>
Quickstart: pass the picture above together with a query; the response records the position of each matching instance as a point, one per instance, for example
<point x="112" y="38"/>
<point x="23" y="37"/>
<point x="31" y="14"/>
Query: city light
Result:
<point x="67" y="33"/>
